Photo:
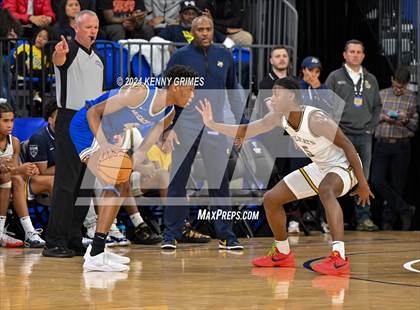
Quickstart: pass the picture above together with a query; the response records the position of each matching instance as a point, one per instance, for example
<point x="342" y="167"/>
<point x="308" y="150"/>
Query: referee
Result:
<point x="79" y="77"/>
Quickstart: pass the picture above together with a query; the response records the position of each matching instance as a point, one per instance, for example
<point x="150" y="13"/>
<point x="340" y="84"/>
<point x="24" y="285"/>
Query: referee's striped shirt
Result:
<point x="80" y="78"/>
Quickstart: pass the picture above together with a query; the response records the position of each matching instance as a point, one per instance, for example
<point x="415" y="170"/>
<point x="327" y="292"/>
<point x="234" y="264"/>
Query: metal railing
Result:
<point x="121" y="62"/>
<point x="273" y="22"/>
<point x="19" y="81"/>
<point x="395" y="23"/>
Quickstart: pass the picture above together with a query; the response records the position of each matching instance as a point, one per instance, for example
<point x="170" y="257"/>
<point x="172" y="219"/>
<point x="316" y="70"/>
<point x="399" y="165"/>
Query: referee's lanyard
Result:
<point x="358" y="89"/>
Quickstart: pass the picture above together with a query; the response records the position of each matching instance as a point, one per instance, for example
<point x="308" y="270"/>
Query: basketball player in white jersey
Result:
<point x="334" y="170"/>
<point x="12" y="180"/>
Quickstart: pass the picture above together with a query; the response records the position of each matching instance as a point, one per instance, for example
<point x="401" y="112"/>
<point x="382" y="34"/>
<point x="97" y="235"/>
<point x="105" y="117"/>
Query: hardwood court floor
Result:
<point x="201" y="277"/>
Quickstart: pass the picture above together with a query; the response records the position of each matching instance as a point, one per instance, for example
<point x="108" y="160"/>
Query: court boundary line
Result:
<point x="408" y="266"/>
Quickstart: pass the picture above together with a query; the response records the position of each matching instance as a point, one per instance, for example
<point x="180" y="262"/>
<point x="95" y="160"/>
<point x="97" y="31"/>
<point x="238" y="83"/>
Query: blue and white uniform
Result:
<point x="112" y="124"/>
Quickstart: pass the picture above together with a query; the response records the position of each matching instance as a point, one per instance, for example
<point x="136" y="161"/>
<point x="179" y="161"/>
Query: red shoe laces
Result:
<point x="333" y="256"/>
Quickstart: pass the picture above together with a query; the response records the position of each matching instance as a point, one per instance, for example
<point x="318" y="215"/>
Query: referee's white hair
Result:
<point x="79" y="16"/>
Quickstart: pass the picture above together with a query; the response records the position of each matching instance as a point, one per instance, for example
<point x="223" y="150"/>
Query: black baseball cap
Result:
<point x="189" y="5"/>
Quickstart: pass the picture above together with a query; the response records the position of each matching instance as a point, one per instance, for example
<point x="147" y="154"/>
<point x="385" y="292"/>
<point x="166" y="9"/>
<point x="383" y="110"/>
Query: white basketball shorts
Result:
<point x="305" y="181"/>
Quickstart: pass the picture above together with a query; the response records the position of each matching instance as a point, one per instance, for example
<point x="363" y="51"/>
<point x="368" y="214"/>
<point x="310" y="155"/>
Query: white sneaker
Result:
<point x="33" y="240"/>
<point x="7" y="241"/>
<point x="86" y="241"/>
<point x="101" y="262"/>
<point x="90" y="234"/>
<point x="117" y="258"/>
<point x="293" y="227"/>
<point x="117" y="237"/>
<point x="111" y="256"/>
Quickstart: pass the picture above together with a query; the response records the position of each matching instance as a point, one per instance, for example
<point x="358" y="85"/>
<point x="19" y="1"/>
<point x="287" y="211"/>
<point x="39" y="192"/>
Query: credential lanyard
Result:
<point x="358" y="88"/>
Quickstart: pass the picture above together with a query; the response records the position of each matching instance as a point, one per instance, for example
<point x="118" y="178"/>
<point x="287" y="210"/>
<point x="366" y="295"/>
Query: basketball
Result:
<point x="115" y="169"/>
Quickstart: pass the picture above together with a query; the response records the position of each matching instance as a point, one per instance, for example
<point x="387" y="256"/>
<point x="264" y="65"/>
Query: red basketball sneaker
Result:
<point x="333" y="265"/>
<point x="275" y="259"/>
<point x="10" y="242"/>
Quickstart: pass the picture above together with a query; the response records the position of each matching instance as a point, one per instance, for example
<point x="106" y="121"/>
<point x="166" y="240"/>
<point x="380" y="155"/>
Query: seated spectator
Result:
<point x="155" y="174"/>
<point x="11" y="29"/>
<point x="163" y="13"/>
<point x="37" y="13"/>
<point x="25" y="64"/>
<point x="39" y="149"/>
<point x="147" y="177"/>
<point x="66" y="20"/>
<point x="391" y="156"/>
<point x="228" y="19"/>
<point x="142" y="232"/>
<point x="152" y="174"/>
<point x="124" y="20"/>
<point x="12" y="179"/>
<point x="41" y="145"/>
<point x="181" y="32"/>
<point x="84" y="5"/>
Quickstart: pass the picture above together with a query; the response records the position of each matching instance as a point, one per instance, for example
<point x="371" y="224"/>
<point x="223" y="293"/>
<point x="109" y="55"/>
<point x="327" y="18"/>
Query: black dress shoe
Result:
<point x="144" y="235"/>
<point x="58" y="251"/>
<point x="78" y="250"/>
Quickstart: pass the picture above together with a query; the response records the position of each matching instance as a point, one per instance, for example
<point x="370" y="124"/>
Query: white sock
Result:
<point x="27" y="224"/>
<point x="283" y="246"/>
<point x="339" y="247"/>
<point x="2" y="224"/>
<point x="136" y="219"/>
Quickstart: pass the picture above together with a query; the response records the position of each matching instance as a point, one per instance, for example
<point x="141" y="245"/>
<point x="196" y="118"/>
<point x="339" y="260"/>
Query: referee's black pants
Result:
<point x="66" y="218"/>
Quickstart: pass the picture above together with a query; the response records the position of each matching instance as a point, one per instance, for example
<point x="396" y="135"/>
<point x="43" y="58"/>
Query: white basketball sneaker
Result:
<point x="119" y="259"/>
<point x="101" y="262"/>
<point x="293" y="227"/>
<point x="116" y="237"/>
